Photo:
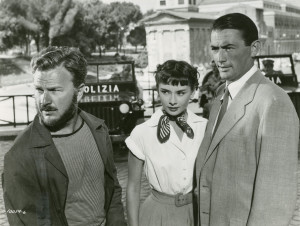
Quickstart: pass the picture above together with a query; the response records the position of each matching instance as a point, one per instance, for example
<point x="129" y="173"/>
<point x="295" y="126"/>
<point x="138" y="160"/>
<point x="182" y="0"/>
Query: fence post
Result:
<point x="27" y="109"/>
<point x="14" y="111"/>
<point x="153" y="101"/>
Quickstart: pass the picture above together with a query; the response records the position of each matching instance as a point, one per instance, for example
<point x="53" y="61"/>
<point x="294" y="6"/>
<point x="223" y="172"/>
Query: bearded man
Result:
<point x="60" y="170"/>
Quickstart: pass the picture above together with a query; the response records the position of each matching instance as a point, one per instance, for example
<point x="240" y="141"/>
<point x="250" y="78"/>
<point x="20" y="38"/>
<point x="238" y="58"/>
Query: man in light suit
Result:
<point x="247" y="163"/>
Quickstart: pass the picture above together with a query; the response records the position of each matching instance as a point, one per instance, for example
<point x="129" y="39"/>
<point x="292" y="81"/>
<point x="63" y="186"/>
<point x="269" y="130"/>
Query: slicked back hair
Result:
<point x="174" y="72"/>
<point x="69" y="57"/>
<point x="239" y="22"/>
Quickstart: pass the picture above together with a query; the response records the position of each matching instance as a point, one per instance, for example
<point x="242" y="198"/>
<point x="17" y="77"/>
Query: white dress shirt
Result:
<point x="168" y="166"/>
<point x="235" y="87"/>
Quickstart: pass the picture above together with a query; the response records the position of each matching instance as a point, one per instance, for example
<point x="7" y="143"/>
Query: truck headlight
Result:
<point x="140" y="102"/>
<point x="124" y="108"/>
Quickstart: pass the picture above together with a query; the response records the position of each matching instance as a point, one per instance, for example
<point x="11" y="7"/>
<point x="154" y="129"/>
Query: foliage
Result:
<point x="137" y="36"/>
<point x="11" y="32"/>
<point x="88" y="25"/>
<point x="149" y="13"/>
<point x="142" y="60"/>
<point x="119" y="16"/>
<point x="41" y="20"/>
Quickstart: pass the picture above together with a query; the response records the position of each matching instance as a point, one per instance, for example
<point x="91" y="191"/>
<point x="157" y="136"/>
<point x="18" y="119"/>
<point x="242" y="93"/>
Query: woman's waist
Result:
<point x="178" y="199"/>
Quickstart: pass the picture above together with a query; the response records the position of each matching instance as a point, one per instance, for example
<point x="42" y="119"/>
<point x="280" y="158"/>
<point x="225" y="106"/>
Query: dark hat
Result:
<point x="268" y="62"/>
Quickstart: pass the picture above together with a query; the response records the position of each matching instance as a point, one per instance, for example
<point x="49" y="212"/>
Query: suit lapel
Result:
<point x="214" y="113"/>
<point x="208" y="133"/>
<point x="235" y="111"/>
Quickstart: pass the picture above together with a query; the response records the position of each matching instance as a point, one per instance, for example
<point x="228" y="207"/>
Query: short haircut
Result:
<point x="69" y="57"/>
<point x="239" y="22"/>
<point x="177" y="72"/>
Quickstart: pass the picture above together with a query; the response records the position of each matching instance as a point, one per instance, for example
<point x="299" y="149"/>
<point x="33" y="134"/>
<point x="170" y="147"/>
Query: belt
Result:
<point x="178" y="199"/>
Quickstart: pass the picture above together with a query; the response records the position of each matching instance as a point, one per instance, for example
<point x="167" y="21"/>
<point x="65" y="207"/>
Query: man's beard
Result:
<point x="59" y="123"/>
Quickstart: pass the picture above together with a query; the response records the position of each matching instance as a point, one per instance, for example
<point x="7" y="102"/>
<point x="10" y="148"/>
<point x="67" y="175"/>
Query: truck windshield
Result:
<point x="109" y="73"/>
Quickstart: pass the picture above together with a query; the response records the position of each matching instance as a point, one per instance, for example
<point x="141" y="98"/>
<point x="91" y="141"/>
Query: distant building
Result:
<point x="278" y="22"/>
<point x="180" y="29"/>
<point x="178" y="35"/>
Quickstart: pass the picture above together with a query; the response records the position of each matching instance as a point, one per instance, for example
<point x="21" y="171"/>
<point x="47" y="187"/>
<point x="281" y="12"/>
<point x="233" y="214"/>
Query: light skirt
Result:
<point x="160" y="210"/>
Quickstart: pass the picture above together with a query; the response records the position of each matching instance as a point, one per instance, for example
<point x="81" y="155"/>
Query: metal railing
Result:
<point x="151" y="93"/>
<point x="11" y="108"/>
<point x="13" y="98"/>
<point x="151" y="103"/>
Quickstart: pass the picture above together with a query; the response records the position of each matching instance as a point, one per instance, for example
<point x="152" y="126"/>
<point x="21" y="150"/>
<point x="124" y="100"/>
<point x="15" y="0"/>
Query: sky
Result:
<point x="145" y="5"/>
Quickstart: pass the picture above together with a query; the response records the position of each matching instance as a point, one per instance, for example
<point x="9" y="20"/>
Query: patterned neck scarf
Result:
<point x="163" y="129"/>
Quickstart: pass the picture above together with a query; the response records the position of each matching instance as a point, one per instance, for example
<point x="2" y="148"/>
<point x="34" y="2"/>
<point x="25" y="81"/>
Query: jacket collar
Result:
<point x="236" y="86"/>
<point x="40" y="136"/>
<point x="234" y="112"/>
<point x="192" y="118"/>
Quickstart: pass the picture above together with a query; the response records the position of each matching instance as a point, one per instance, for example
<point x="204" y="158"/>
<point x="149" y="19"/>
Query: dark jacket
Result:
<point x="35" y="181"/>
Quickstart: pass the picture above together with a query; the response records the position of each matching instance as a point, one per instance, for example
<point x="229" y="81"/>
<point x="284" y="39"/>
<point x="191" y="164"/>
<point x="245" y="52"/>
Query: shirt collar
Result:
<point x="236" y="86"/>
<point x="192" y="118"/>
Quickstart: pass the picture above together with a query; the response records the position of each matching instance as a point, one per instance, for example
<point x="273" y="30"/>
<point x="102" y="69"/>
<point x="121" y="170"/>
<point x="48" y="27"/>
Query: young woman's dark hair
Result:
<point x="175" y="72"/>
<point x="239" y="22"/>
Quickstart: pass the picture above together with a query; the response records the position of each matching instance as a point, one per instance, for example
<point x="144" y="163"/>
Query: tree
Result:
<point x="63" y="20"/>
<point x="149" y="13"/>
<point x="12" y="32"/>
<point x="119" y="16"/>
<point x="87" y="24"/>
<point x="94" y="18"/>
<point x="137" y="36"/>
<point x="41" y="20"/>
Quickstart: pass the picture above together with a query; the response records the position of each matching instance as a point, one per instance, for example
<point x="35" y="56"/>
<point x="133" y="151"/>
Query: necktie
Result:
<point x="222" y="109"/>
<point x="163" y="129"/>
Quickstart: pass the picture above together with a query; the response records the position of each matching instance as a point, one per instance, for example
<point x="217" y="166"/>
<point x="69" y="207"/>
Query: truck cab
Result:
<point x="113" y="94"/>
<point x="280" y="69"/>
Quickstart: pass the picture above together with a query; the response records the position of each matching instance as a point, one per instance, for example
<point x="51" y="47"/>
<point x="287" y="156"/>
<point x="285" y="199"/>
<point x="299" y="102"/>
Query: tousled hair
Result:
<point x="239" y="22"/>
<point x="69" y="57"/>
<point x="175" y="72"/>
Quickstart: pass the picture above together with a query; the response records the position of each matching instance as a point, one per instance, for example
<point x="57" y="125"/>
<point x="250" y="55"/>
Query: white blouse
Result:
<point x="168" y="166"/>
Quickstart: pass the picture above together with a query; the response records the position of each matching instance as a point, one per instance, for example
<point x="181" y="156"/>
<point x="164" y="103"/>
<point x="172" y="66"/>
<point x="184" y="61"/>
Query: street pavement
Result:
<point x="122" y="170"/>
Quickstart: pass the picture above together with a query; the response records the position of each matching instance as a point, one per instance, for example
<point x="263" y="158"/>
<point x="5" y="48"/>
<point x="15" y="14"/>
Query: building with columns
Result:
<point x="180" y="29"/>
<point x="179" y="35"/>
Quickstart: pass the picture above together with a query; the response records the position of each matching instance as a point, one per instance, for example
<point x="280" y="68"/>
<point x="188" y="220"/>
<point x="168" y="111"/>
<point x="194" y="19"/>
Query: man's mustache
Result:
<point x="47" y="108"/>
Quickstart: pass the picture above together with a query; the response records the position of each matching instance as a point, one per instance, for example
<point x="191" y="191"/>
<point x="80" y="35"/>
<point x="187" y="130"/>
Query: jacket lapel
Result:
<point x="41" y="139"/>
<point x="208" y="133"/>
<point x="235" y="111"/>
<point x="100" y="137"/>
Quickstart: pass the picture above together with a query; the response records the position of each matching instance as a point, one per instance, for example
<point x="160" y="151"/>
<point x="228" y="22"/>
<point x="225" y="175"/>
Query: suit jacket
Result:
<point x="246" y="173"/>
<point x="35" y="181"/>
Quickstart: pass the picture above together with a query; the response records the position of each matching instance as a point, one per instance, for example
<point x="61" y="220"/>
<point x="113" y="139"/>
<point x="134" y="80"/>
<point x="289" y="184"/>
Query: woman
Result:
<point x="166" y="145"/>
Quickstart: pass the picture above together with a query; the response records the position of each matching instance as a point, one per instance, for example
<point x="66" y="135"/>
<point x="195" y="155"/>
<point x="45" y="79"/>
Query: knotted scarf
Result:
<point x="163" y="129"/>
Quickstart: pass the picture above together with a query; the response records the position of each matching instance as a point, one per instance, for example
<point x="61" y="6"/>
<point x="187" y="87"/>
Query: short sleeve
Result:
<point x="135" y="142"/>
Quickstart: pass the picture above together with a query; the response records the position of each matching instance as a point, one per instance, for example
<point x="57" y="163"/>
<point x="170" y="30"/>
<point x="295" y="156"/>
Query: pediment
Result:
<point x="164" y="18"/>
